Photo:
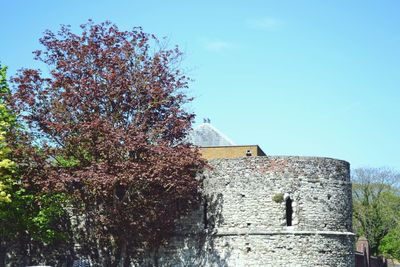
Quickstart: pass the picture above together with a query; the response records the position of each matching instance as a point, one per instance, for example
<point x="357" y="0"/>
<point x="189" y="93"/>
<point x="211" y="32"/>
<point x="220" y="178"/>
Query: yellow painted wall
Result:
<point x="230" y="151"/>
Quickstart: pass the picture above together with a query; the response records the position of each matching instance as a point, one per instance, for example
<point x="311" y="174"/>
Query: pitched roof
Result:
<point x="205" y="135"/>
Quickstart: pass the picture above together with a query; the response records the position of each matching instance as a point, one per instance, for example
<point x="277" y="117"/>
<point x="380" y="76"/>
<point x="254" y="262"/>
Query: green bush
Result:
<point x="278" y="198"/>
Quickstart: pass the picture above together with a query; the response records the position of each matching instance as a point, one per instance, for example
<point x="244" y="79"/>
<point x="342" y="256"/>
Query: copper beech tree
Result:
<point x="109" y="123"/>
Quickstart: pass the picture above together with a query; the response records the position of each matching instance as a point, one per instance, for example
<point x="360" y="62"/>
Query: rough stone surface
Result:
<point x="243" y="219"/>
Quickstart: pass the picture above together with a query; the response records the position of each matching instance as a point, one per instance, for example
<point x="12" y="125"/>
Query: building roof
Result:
<point x="206" y="135"/>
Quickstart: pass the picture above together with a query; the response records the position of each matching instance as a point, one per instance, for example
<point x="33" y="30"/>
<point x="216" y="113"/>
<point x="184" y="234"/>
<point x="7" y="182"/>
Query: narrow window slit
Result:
<point x="289" y="212"/>
<point x="205" y="219"/>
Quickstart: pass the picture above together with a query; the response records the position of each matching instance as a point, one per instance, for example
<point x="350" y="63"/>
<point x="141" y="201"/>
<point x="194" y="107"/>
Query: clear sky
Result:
<point x="311" y="78"/>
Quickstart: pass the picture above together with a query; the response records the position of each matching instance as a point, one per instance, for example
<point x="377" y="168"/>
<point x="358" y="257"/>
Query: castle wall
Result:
<point x="244" y="221"/>
<point x="290" y="249"/>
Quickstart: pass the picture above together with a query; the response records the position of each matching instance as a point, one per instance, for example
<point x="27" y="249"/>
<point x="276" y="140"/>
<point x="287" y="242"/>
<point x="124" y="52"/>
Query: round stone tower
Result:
<point x="267" y="211"/>
<point x="279" y="211"/>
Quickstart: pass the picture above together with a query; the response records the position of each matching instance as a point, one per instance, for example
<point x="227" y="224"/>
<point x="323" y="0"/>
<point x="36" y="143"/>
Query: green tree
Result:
<point x="390" y="244"/>
<point x="7" y="166"/>
<point x="376" y="206"/>
<point x="30" y="221"/>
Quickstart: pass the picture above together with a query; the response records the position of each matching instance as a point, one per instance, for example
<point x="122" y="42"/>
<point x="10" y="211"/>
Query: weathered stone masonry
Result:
<point x="249" y="204"/>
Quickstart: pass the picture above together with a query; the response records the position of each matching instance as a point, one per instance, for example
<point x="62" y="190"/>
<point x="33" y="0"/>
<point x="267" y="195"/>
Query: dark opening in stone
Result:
<point x="289" y="212"/>
<point x="205" y="219"/>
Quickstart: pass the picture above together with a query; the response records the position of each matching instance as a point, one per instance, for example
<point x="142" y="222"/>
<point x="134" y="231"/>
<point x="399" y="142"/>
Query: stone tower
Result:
<point x="280" y="211"/>
<point x="268" y="211"/>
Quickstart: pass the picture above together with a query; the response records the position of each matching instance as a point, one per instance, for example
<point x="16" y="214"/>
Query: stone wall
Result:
<point x="243" y="221"/>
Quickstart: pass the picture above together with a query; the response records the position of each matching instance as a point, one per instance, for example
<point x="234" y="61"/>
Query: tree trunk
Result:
<point x="122" y="255"/>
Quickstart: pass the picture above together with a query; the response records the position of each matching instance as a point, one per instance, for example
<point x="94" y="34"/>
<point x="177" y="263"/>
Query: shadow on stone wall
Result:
<point x="197" y="248"/>
<point x="197" y="245"/>
<point x="214" y="217"/>
<point x="213" y="256"/>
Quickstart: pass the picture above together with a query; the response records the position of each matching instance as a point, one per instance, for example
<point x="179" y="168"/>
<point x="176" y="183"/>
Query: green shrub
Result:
<point x="278" y="198"/>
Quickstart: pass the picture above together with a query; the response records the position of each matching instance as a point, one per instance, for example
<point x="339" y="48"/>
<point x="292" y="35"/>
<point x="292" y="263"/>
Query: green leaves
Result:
<point x="376" y="207"/>
<point x="51" y="210"/>
<point x="66" y="161"/>
<point x="27" y="217"/>
<point x="7" y="120"/>
<point x="390" y="245"/>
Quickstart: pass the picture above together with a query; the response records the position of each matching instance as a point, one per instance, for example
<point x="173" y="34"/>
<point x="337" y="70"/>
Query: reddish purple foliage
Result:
<point x="112" y="105"/>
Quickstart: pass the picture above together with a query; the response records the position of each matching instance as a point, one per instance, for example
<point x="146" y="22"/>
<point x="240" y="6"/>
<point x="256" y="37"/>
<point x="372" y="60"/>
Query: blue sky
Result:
<point x="312" y="78"/>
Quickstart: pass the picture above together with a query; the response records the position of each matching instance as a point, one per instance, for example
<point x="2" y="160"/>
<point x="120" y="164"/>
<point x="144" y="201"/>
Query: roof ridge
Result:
<point x="207" y="135"/>
<point x="218" y="132"/>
